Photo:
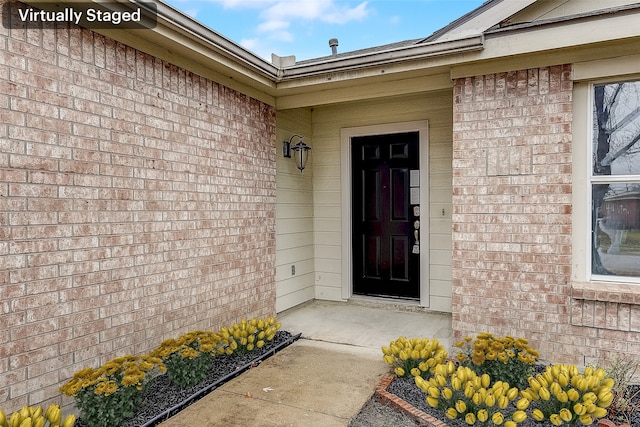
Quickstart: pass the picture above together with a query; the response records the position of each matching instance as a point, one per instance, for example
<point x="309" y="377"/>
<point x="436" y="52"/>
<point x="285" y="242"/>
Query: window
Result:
<point x="615" y="181"/>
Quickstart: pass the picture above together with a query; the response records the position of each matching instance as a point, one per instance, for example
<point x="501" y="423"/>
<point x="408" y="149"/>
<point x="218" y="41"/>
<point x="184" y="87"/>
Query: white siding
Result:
<point x="294" y="216"/>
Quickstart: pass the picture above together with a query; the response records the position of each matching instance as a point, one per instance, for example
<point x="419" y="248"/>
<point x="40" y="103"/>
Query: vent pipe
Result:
<point x="333" y="43"/>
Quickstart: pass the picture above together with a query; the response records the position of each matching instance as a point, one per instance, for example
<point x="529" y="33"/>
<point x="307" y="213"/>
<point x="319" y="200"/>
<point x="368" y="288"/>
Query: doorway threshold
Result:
<point x="398" y="304"/>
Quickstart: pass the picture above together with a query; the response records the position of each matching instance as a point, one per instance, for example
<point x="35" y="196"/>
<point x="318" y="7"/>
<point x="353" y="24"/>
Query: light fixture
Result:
<point x="300" y="151"/>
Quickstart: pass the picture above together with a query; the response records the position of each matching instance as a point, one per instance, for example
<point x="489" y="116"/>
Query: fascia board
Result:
<point x="555" y="43"/>
<point x="383" y="58"/>
<point x="478" y="21"/>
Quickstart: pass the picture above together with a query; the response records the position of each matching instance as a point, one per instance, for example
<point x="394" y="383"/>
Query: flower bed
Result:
<point x="163" y="399"/>
<point x="493" y="384"/>
<point x="146" y="389"/>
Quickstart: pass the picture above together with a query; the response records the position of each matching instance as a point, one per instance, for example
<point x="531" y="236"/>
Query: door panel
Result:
<point x="384" y="263"/>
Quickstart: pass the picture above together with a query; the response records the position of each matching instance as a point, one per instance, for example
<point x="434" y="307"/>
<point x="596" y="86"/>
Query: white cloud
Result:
<point x="278" y="15"/>
<point x="320" y="10"/>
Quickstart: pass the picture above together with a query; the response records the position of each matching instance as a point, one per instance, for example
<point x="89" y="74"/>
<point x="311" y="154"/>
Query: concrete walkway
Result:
<point x="324" y="378"/>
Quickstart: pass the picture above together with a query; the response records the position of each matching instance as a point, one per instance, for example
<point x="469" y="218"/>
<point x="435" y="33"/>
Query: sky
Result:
<point x="303" y="27"/>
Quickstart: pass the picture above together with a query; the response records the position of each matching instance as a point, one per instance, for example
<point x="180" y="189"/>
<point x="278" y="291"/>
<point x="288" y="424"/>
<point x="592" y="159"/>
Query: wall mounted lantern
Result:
<point x="300" y="150"/>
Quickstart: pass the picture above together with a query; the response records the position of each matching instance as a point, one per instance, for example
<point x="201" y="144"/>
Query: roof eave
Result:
<point x="382" y="58"/>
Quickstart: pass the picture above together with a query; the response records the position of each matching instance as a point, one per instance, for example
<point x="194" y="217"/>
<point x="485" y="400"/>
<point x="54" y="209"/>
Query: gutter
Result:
<point x="385" y="57"/>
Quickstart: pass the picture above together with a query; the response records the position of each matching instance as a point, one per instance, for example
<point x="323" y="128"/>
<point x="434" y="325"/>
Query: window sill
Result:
<point x="606" y="291"/>
<point x="606" y="305"/>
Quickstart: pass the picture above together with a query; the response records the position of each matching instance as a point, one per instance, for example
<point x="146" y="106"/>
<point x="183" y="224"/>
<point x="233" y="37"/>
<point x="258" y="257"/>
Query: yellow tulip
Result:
<point x="432" y="401"/>
<point x="555" y="419"/>
<point x="451" y="413"/>
<point x="562" y="397"/>
<point x="589" y="397"/>
<point x="512" y="393"/>
<point x="69" y="421"/>
<point x="579" y="409"/>
<point x="537" y="415"/>
<point x="600" y="412"/>
<point x="503" y="402"/>
<point x="3" y="419"/>
<point x="544" y="393"/>
<point x="523" y="404"/>
<point x="447" y="393"/>
<point x="434" y="392"/>
<point x="450" y="365"/>
<point x="565" y="414"/>
<point x="586" y="419"/>
<point x="583" y="384"/>
<point x="469" y="391"/>
<point x="416" y="372"/>
<point x="543" y="381"/>
<point x="15" y="419"/>
<point x="455" y="383"/>
<point x="519" y="416"/>
<point x="399" y="371"/>
<point x="497" y="418"/>
<point x="573" y="394"/>
<point x="26" y="422"/>
<point x="534" y="384"/>
<point x="470" y="418"/>
<point x="510" y="424"/>
<point x="485" y="380"/>
<point x="563" y="380"/>
<point x="461" y="407"/>
<point x="490" y="400"/>
<point x="605" y="395"/>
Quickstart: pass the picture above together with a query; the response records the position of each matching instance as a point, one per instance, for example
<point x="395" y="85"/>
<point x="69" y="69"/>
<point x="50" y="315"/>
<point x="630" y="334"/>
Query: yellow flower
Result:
<point x="461" y="407"/>
<point x="497" y="418"/>
<point x="565" y="414"/>
<point x="451" y="413"/>
<point x="470" y="418"/>
<point x="447" y="393"/>
<point x="586" y="419"/>
<point x="555" y="419"/>
<point x="523" y="403"/>
<point x="519" y="416"/>
<point x="483" y="415"/>
<point x="399" y="371"/>
<point x="537" y="415"/>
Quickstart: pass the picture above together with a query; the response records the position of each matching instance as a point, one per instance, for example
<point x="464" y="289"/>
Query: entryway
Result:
<point x="385" y="212"/>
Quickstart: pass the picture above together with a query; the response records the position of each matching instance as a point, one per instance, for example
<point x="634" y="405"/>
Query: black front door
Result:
<point x="386" y="259"/>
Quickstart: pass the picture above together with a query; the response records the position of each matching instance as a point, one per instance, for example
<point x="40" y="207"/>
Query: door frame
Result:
<point x="422" y="127"/>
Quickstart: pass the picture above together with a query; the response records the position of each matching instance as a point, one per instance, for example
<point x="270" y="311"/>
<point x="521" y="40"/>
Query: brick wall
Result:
<point x="512" y="223"/>
<point x="137" y="202"/>
<point x="512" y="202"/>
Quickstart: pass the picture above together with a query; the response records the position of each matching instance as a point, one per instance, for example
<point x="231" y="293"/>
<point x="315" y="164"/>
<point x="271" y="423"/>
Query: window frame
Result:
<point x="593" y="179"/>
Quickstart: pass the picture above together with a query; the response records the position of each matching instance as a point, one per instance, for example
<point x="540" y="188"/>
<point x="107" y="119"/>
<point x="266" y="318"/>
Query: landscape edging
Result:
<point x="404" y="406"/>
